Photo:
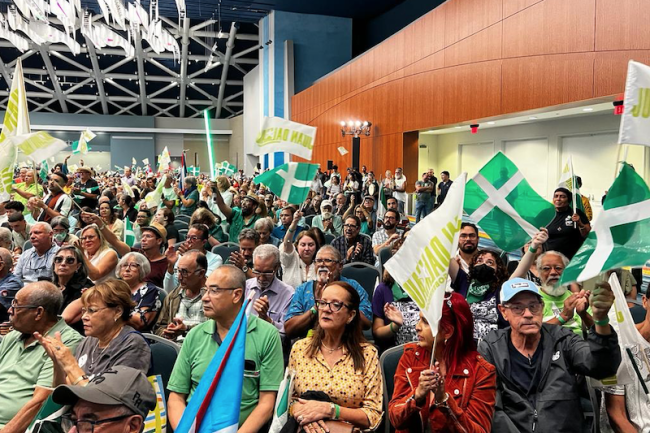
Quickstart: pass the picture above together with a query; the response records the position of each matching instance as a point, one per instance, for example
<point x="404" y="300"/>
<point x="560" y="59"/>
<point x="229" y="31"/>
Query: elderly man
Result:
<point x="388" y="234"/>
<point x="181" y="309"/>
<point x="302" y="314"/>
<point x="36" y="263"/>
<point x="6" y="240"/>
<point x="537" y="363"/>
<point x="264" y="366"/>
<point x="9" y="283"/>
<point x="86" y="191"/>
<point x="197" y="236"/>
<point x="353" y="246"/>
<point x="286" y="216"/>
<point x="399" y="191"/>
<point x="27" y="189"/>
<point x="341" y="205"/>
<point x="56" y="202"/>
<point x="327" y="222"/>
<point x="271" y="297"/>
<point x="239" y="219"/>
<point x="119" y="399"/>
<point x="248" y="239"/>
<point x="467" y="245"/>
<point x="26" y="371"/>
<point x="128" y="177"/>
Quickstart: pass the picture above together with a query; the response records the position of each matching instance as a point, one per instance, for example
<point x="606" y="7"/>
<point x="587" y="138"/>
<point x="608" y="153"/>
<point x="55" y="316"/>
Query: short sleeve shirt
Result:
<point x="553" y="306"/>
<point x="129" y="348"/>
<point x="90" y="187"/>
<point x="237" y="223"/>
<point x="423" y="196"/>
<point x="562" y="236"/>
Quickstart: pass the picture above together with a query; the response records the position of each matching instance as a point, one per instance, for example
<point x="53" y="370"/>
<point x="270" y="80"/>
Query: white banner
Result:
<point x="635" y="122"/>
<point x="280" y="135"/>
<point x="421" y="265"/>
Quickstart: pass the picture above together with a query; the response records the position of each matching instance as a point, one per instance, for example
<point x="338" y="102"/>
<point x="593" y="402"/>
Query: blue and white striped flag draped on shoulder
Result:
<point x="214" y="406"/>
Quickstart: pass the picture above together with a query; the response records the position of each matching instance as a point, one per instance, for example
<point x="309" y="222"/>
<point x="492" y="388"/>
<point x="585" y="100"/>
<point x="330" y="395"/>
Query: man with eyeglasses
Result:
<point x="467" y="245"/>
<point x="353" y="246"/>
<point x="35" y="263"/>
<point x="537" y="363"/>
<point x="197" y="236"/>
<point x="302" y="314"/>
<point x="271" y="297"/>
<point x="117" y="400"/>
<point x="26" y="371"/>
<point x="327" y="222"/>
<point x="239" y="218"/>
<point x="263" y="364"/>
<point x="388" y="234"/>
<point x="10" y="284"/>
<point x="181" y="309"/>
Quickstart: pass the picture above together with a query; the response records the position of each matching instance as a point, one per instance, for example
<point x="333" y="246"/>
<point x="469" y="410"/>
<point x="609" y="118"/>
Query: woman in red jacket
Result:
<point x="458" y="393"/>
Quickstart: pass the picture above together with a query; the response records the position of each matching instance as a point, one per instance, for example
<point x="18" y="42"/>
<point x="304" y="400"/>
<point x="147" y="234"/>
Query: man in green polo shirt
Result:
<point x="26" y="371"/>
<point x="264" y="365"/>
<point x="239" y="219"/>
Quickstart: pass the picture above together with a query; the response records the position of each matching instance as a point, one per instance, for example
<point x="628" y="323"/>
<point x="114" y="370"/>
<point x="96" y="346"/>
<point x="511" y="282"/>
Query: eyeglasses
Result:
<point x="470" y="236"/>
<point x="334" y="306"/>
<point x="185" y="273"/>
<point x="131" y="265"/>
<point x="86" y="425"/>
<point x="389" y="218"/>
<point x="325" y="261"/>
<point x="214" y="290"/>
<point x="263" y="274"/>
<point x="92" y="311"/>
<point x="193" y="238"/>
<point x="556" y="268"/>
<point x="350" y="226"/>
<point x="518" y="309"/>
<point x="18" y="307"/>
<point x="88" y="238"/>
<point x="61" y="259"/>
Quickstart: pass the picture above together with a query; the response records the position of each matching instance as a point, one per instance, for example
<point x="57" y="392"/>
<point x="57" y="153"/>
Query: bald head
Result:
<point x="7" y="261"/>
<point x="228" y="276"/>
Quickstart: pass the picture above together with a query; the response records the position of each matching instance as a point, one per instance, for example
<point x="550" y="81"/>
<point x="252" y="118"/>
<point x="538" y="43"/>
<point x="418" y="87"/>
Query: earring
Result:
<point x="116" y="321"/>
<point x="446" y="339"/>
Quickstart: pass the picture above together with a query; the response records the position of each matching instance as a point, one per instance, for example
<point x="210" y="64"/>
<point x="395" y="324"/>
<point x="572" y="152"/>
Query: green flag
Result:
<point x="225" y="169"/>
<point x="621" y="232"/>
<point x="129" y="234"/>
<point x="291" y="181"/>
<point x="381" y="206"/>
<point x="502" y="202"/>
<point x="45" y="170"/>
<point x="193" y="171"/>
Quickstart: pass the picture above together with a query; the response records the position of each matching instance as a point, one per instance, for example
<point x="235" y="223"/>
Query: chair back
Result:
<point x="329" y="238"/>
<point x="366" y="275"/>
<point x="388" y="362"/>
<point x="182" y="217"/>
<point x="164" y="354"/>
<point x="27" y="245"/>
<point x="225" y="249"/>
<point x="309" y="219"/>
<point x="182" y="235"/>
<point x="181" y="224"/>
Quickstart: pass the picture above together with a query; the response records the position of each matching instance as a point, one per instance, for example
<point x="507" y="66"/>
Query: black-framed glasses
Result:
<point x="86" y="425"/>
<point x="185" y="273"/>
<point x="214" y="290"/>
<point x="325" y="261"/>
<point x="131" y="265"/>
<point x="556" y="268"/>
<point x="334" y="306"/>
<point x="15" y="306"/>
<point x="518" y="309"/>
<point x="263" y="274"/>
<point x="350" y="226"/>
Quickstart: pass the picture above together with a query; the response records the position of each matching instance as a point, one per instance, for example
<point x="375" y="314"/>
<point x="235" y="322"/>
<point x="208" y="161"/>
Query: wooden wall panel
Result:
<point x="472" y="91"/>
<point x="511" y="7"/>
<point x="481" y="46"/>
<point x="361" y="71"/>
<point x="388" y="108"/>
<point x="610" y="70"/>
<point x="463" y="18"/>
<point x="411" y="152"/>
<point x="388" y="56"/>
<point x="633" y="33"/>
<point x="423" y="100"/>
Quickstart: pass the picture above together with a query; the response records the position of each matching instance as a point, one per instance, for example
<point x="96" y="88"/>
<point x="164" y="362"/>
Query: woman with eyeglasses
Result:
<point x="99" y="257"/>
<point x="338" y="379"/>
<point x="457" y="393"/>
<point x="110" y="340"/>
<point x="71" y="276"/>
<point x="132" y="269"/>
<point x="297" y="258"/>
<point x="111" y="220"/>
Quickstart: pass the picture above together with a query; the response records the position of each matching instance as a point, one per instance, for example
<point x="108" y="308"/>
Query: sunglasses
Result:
<point x="68" y="260"/>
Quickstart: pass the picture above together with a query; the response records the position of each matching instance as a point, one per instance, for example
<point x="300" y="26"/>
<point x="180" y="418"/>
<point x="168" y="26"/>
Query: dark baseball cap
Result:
<point x="119" y="385"/>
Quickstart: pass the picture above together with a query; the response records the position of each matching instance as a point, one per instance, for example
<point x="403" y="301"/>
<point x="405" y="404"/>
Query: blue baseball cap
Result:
<point x="512" y="288"/>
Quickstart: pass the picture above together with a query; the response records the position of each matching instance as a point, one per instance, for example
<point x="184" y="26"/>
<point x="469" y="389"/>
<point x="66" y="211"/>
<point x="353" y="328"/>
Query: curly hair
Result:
<point x="501" y="273"/>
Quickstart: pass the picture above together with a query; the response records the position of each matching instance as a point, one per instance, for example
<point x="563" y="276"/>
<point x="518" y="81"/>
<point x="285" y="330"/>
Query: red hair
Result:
<point x="456" y="318"/>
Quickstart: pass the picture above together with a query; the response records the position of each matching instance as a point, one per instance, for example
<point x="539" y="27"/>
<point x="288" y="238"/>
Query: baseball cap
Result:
<point x="512" y="288"/>
<point x="325" y="203"/>
<point x="369" y="197"/>
<point x="159" y="230"/>
<point x="119" y="385"/>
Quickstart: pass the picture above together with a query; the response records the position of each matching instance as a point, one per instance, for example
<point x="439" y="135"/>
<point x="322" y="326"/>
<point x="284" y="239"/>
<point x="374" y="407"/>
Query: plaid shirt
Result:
<point x="366" y="255"/>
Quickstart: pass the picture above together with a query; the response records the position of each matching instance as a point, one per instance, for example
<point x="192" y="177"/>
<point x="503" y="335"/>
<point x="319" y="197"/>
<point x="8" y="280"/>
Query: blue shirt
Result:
<point x="303" y="299"/>
<point x="281" y="231"/>
<point x="30" y="266"/>
<point x="9" y="286"/>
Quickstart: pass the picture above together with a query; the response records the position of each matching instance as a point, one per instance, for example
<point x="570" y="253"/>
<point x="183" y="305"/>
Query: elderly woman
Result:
<point x="264" y="227"/>
<point x="99" y="257"/>
<point x="297" y="258"/>
<point x="132" y="269"/>
<point x="111" y="220"/>
<point x="337" y="361"/>
<point x="458" y="394"/>
<point x="61" y="229"/>
<point x="189" y="197"/>
<point x="207" y="218"/>
<point x="165" y="217"/>
<point x="110" y="341"/>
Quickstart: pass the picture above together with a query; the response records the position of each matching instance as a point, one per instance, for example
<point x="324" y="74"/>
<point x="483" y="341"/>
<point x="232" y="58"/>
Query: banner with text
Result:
<point x="281" y="135"/>
<point x="635" y="122"/>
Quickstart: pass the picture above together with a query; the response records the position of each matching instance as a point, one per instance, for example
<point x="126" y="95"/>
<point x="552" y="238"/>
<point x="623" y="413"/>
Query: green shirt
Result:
<point x="22" y="368"/>
<point x="237" y="223"/>
<point x="553" y="306"/>
<point x="263" y="348"/>
<point x="34" y="188"/>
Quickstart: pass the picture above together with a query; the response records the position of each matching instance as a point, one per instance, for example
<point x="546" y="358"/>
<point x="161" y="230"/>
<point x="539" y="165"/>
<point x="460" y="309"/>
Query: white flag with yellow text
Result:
<point x="635" y="121"/>
<point x="281" y="135"/>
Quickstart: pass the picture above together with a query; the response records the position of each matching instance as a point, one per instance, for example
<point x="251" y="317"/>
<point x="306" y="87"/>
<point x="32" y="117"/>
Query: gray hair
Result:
<point x="264" y="223"/>
<point x="332" y="250"/>
<point x="249" y="234"/>
<point x="144" y="269"/>
<point x="46" y="226"/>
<point x="60" y="221"/>
<point x="5" y="236"/>
<point x="263" y="252"/>
<point x="7" y="259"/>
<point x="538" y="262"/>
<point x="47" y="295"/>
<point x="190" y="180"/>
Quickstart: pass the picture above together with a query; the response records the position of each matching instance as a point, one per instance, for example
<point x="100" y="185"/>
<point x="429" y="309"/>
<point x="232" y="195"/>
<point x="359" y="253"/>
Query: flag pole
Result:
<point x="208" y="141"/>
<point x="573" y="189"/>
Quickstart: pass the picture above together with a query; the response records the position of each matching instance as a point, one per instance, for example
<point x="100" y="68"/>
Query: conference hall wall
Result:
<point x="469" y="60"/>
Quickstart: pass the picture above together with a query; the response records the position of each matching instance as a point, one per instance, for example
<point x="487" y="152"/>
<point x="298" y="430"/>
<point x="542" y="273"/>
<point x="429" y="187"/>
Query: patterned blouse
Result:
<point x="345" y="386"/>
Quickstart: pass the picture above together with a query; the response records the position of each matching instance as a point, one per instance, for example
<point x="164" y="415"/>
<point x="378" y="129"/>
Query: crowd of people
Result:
<point x="91" y="261"/>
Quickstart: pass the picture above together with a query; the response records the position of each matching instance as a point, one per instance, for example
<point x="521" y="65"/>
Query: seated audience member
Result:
<point x="61" y="230"/>
<point x="100" y="259"/>
<point x="264" y="365"/>
<point x="392" y="204"/>
<point x="109" y="340"/>
<point x="327" y="222"/>
<point x="143" y="219"/>
<point x="481" y="289"/>
<point x="353" y="246"/>
<point x="297" y="258"/>
<point x="264" y="227"/>
<point x="6" y="242"/>
<point x="271" y="296"/>
<point x="243" y="259"/>
<point x="467" y="245"/>
<point x="353" y="387"/>
<point x="111" y="220"/>
<point x="208" y="219"/>
<point x="36" y="263"/>
<point x="9" y="283"/>
<point x="165" y="218"/>
<point x="14" y="206"/>
<point x="286" y="218"/>
<point x="118" y="400"/>
<point x="71" y="277"/>
<point x="25" y="370"/>
<point x="538" y="364"/>
<point x="314" y="206"/>
<point x="568" y="230"/>
<point x="182" y="307"/>
<point x="303" y="314"/>
<point x="19" y="229"/>
<point x="388" y="234"/>
<point x="132" y="269"/>
<point x="197" y="237"/>
<point x="239" y="218"/>
<point x="458" y="393"/>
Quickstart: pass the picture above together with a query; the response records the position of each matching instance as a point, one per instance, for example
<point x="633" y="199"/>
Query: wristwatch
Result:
<point x="244" y="268"/>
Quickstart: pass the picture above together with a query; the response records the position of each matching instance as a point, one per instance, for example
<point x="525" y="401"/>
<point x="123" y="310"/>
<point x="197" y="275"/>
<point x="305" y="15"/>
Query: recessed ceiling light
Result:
<point x="587" y="109"/>
<point x="491" y="123"/>
<point x="532" y="118"/>
<point x="458" y="127"/>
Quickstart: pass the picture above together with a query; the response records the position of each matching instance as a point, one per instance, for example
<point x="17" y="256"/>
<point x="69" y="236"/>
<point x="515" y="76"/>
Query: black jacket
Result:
<point x="557" y="403"/>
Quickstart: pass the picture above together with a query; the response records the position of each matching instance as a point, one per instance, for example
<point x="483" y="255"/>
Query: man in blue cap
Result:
<point x="537" y="363"/>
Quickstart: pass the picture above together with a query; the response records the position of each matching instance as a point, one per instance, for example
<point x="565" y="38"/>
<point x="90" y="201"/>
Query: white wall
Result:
<point x="252" y="118"/>
<point x="540" y="150"/>
<point x="91" y="159"/>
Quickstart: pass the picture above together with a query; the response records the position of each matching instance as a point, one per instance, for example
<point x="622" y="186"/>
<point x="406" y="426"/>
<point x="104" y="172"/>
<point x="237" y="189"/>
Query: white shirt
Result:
<point x="400" y="196"/>
<point x="294" y="270"/>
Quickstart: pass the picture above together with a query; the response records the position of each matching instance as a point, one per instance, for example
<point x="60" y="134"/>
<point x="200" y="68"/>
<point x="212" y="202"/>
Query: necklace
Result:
<point x="92" y="354"/>
<point x="330" y="350"/>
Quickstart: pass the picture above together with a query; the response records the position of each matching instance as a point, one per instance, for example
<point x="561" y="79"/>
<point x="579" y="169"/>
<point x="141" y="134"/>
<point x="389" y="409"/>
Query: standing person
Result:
<point x="169" y="196"/>
<point x="56" y="203"/>
<point x="467" y="245"/>
<point x="443" y="187"/>
<point x="568" y="230"/>
<point x="86" y="189"/>
<point x="239" y="218"/>
<point x="423" y="189"/>
<point x="189" y="197"/>
<point x="127" y="206"/>
<point x="434" y="181"/>
<point x="128" y="177"/>
<point x="297" y="258"/>
<point x="399" y="190"/>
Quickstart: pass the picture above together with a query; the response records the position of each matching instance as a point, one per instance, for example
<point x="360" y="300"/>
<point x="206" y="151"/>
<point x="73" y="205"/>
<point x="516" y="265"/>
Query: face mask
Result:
<point x="59" y="237"/>
<point x="483" y="273"/>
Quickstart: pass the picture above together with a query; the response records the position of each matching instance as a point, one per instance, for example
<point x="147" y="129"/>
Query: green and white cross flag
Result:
<point x="500" y="200"/>
<point x="129" y="234"/>
<point x="381" y="206"/>
<point x="290" y="181"/>
<point x="281" y="410"/>
<point x="45" y="170"/>
<point x="193" y="171"/>
<point x="621" y="232"/>
<point x="225" y="169"/>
